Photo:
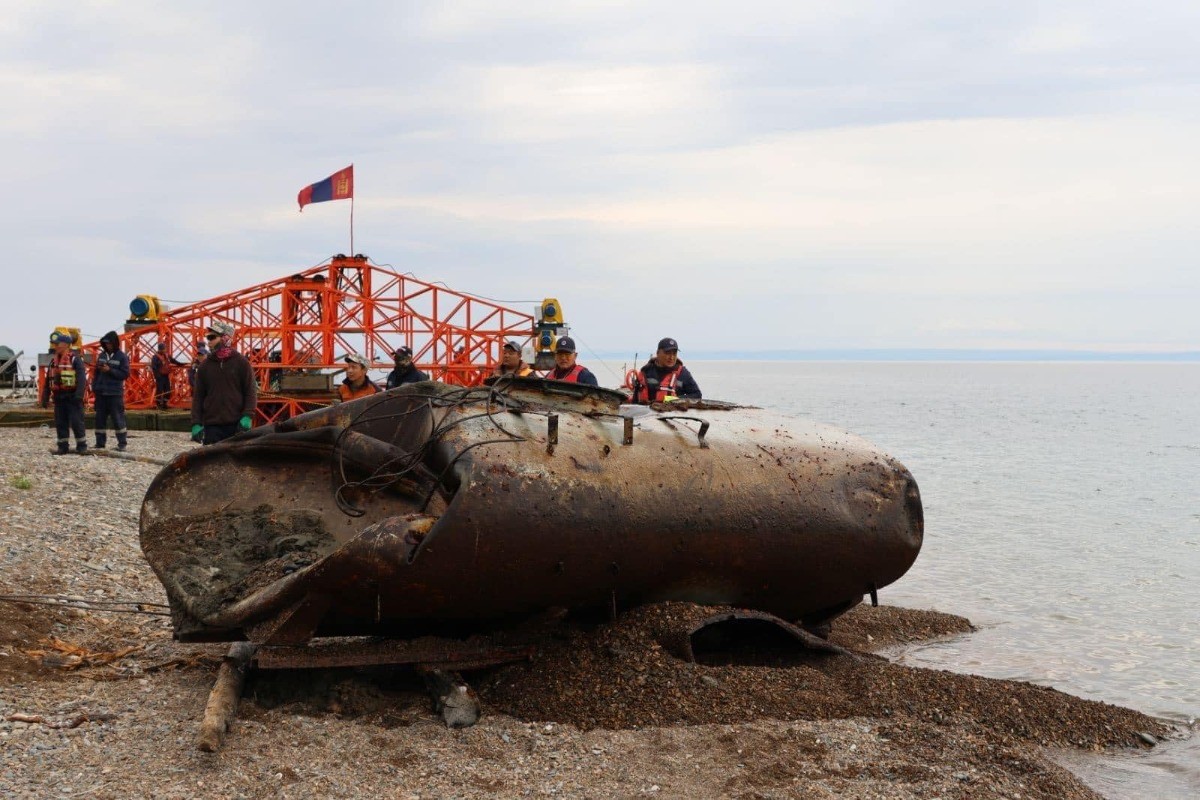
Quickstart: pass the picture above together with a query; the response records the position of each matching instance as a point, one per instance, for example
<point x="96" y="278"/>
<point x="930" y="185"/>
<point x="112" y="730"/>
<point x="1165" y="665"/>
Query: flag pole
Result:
<point x="351" y="225"/>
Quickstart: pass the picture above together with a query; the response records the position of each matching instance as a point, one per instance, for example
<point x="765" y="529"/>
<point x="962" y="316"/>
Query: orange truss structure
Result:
<point x="297" y="330"/>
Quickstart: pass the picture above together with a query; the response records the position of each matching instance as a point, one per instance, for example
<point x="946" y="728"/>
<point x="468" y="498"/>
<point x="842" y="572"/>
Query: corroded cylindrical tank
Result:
<point x="432" y="507"/>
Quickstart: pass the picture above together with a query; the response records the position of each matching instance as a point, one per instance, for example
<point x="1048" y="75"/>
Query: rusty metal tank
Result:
<point x="438" y="509"/>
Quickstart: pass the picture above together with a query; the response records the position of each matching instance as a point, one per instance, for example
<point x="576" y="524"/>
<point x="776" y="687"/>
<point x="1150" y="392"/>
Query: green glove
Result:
<point x="197" y="431"/>
<point x="244" y="423"/>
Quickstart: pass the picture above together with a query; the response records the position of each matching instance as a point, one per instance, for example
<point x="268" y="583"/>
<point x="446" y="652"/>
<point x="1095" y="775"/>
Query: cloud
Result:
<point x="852" y="175"/>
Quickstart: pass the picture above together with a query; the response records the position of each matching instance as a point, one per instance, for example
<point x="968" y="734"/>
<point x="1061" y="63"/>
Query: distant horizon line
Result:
<point x="929" y="354"/>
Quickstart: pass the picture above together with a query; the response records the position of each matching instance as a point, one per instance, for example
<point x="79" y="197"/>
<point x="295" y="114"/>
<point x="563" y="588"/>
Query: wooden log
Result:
<point x="222" y="704"/>
<point x="162" y="462"/>
<point x="453" y="699"/>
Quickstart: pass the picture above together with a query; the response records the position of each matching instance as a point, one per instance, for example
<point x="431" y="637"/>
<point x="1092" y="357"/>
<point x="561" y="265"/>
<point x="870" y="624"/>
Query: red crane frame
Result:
<point x="309" y="321"/>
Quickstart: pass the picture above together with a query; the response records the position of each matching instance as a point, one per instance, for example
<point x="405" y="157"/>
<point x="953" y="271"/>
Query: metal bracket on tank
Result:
<point x="703" y="427"/>
<point x="551" y="432"/>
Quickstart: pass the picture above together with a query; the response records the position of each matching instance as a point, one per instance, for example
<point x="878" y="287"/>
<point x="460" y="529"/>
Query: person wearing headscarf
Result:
<point x="108" y="390"/>
<point x="225" y="394"/>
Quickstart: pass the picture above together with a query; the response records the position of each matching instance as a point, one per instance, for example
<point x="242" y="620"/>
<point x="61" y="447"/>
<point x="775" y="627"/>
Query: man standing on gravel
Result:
<point x="66" y="382"/>
<point x="160" y="367"/>
<point x="108" y="389"/>
<point x="225" y="393"/>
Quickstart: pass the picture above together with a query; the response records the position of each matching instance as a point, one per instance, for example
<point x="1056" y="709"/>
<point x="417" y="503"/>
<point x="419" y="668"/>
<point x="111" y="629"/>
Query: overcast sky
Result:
<point x="736" y="175"/>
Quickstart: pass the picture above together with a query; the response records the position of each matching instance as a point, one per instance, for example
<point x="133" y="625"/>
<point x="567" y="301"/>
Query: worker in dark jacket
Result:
<point x="108" y="389"/>
<point x="664" y="378"/>
<point x="66" y="384"/>
<point x="201" y="354"/>
<point x="406" y="371"/>
<point x="565" y="368"/>
<point x="160" y="368"/>
<point x="225" y="394"/>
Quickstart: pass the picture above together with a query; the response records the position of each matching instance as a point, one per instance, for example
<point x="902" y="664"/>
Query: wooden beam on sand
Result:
<point x="223" y="700"/>
<point x="96" y="451"/>
<point x="453" y="699"/>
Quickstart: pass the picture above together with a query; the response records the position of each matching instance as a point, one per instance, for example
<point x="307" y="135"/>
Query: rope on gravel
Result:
<point x="107" y="606"/>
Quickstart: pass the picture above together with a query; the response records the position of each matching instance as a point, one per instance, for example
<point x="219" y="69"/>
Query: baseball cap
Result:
<point x="59" y="336"/>
<point x="565" y="345"/>
<point x="355" y="358"/>
<point x="221" y="328"/>
<point x="402" y="352"/>
<point x="512" y="345"/>
<point x="668" y="344"/>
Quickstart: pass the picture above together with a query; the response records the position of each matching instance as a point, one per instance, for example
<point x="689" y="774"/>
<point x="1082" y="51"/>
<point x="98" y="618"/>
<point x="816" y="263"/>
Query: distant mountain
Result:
<point x="927" y="354"/>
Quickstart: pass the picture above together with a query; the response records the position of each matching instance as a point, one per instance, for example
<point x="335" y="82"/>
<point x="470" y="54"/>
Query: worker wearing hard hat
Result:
<point x="664" y="378"/>
<point x="357" y="384"/>
<point x="225" y="394"/>
<point x="108" y="389"/>
<point x="565" y="367"/>
<point x="511" y="363"/>
<point x="66" y="384"/>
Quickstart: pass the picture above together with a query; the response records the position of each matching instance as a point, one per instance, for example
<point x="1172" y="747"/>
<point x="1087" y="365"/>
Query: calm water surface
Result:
<point x="1062" y="515"/>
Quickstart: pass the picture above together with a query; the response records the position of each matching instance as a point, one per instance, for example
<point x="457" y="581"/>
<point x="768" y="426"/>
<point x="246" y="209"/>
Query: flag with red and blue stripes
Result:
<point x="338" y="186"/>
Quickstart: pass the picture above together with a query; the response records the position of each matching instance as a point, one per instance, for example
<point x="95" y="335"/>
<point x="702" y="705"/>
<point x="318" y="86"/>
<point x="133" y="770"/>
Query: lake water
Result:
<point x="1062" y="515"/>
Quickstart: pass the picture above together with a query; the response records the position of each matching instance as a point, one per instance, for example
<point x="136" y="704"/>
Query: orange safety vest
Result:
<point x="666" y="386"/>
<point x="571" y="377"/>
<point x="62" y="373"/>
<point x="523" y="370"/>
<point x="366" y="390"/>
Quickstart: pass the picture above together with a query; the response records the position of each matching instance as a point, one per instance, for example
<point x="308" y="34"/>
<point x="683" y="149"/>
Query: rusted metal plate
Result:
<point x="802" y="638"/>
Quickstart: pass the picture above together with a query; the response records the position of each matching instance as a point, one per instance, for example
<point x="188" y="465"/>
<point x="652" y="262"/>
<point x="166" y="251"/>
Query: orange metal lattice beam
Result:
<point x="310" y="320"/>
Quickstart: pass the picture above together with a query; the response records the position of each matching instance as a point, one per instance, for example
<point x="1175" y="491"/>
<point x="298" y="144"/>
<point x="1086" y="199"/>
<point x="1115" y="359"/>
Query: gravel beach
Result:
<point x="96" y="703"/>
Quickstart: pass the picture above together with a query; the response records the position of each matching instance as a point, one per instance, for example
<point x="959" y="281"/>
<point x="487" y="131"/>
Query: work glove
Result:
<point x="244" y="423"/>
<point x="197" y="433"/>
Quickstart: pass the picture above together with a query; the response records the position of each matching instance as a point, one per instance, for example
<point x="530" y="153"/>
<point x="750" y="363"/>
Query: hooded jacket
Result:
<point x="112" y="380"/>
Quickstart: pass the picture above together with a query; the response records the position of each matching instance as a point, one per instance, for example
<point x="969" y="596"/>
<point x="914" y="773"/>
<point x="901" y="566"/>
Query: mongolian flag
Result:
<point x="338" y="186"/>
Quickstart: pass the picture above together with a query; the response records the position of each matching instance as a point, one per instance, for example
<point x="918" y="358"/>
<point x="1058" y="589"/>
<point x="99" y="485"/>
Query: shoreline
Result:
<point x="598" y="712"/>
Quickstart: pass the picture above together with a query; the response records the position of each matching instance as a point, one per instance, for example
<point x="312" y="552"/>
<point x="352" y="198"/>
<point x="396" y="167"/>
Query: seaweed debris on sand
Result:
<point x="216" y="559"/>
